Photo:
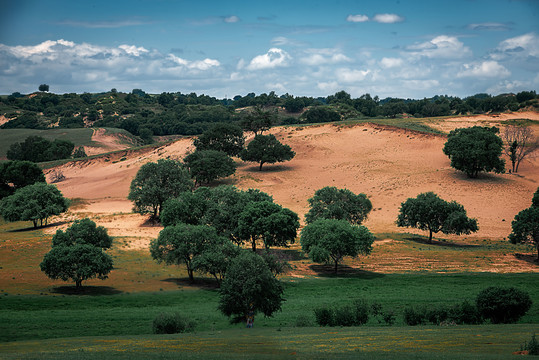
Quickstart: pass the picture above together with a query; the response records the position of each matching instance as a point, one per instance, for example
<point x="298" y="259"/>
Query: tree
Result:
<point x="266" y="149"/>
<point x="157" y="182"/>
<point x="525" y="226"/>
<point x="520" y="143"/>
<point x="341" y="204"/>
<point x="206" y="166"/>
<point x="79" y="153"/>
<point x="503" y="305"/>
<point x="189" y="208"/>
<point x="35" y="202"/>
<point x="38" y="149"/>
<point x="182" y="243"/>
<point x="215" y="259"/>
<point x="475" y="149"/>
<point x="265" y="220"/>
<point x="429" y="212"/>
<point x="223" y="137"/>
<point x="257" y="120"/>
<point x="43" y="87"/>
<point x="328" y="240"/>
<point x="77" y="253"/>
<point x="18" y="174"/>
<point x="249" y="288"/>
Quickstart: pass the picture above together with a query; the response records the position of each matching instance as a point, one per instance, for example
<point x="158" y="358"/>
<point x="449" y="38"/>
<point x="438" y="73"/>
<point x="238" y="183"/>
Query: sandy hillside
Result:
<point x="387" y="164"/>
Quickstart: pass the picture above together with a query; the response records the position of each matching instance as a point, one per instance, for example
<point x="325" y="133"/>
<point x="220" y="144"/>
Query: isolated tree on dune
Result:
<point x="429" y="212"/>
<point x="526" y="225"/>
<point x="330" y="240"/>
<point x="520" y="143"/>
<point x="340" y="204"/>
<point x="257" y="120"/>
<point x="36" y="203"/>
<point x="475" y="149"/>
<point x="43" y="87"/>
<point x="17" y="174"/>
<point x="266" y="149"/>
<point x="206" y="166"/>
<point x="157" y="182"/>
<point x="77" y="253"/>
<point x="224" y="137"/>
<point x="249" y="288"/>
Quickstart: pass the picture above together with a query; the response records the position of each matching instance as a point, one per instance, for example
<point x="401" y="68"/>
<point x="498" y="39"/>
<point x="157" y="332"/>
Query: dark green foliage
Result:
<point x="249" y="287"/>
<point x="303" y="321"/>
<point x="526" y="95"/>
<point x="266" y="149"/>
<point x="157" y="182"/>
<point x="206" y="166"/>
<point x="328" y="240"/>
<point x="34" y="203"/>
<point x="465" y="313"/>
<point x="18" y="174"/>
<point x="532" y="346"/>
<point x="355" y="314"/>
<point x="38" y="149"/>
<point x="189" y="207"/>
<point x="324" y="316"/>
<point x="265" y="220"/>
<point x="341" y="204"/>
<point x="503" y="305"/>
<point x="172" y="323"/>
<point x="526" y="225"/>
<point x="414" y="316"/>
<point x="475" y="149"/>
<point x="24" y="121"/>
<point x="79" y="153"/>
<point x="429" y="212"/>
<point x="320" y="114"/>
<point x="71" y="122"/>
<point x="216" y="258"/>
<point x="43" y="87"/>
<point x="257" y="120"/>
<point x="83" y="231"/>
<point x="224" y="137"/>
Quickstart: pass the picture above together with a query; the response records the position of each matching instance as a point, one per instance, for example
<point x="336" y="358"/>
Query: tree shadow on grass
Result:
<point x="529" y="258"/>
<point x="344" y="271"/>
<point x="443" y="243"/>
<point x="201" y="283"/>
<point x="32" y="228"/>
<point x="288" y="254"/>
<point x="86" y="290"/>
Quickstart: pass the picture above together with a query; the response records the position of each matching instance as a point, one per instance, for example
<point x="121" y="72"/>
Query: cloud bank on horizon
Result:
<point x="383" y="49"/>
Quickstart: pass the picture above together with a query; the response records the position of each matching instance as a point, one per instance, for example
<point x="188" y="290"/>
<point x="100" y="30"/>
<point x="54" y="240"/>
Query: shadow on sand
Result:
<point x="443" y="243"/>
<point x="529" y="258"/>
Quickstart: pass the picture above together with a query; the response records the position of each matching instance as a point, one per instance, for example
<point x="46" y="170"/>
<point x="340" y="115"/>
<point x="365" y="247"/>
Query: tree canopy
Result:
<point x="224" y="137"/>
<point x="206" y="166"/>
<point x="249" y="288"/>
<point x="257" y="120"/>
<point x="330" y="240"/>
<point x="77" y="253"/>
<point x="266" y="149"/>
<point x="34" y="203"/>
<point x="429" y="212"/>
<point x="38" y="149"/>
<point x="18" y="174"/>
<point x="475" y="149"/>
<point x="525" y="226"/>
<point x="157" y="182"/>
<point x="340" y="204"/>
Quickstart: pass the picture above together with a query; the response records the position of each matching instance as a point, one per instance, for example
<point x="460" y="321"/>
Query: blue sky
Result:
<point x="315" y="48"/>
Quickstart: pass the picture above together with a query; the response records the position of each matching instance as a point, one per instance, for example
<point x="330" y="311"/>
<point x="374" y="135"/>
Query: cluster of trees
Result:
<point x="38" y="149"/>
<point x="146" y="115"/>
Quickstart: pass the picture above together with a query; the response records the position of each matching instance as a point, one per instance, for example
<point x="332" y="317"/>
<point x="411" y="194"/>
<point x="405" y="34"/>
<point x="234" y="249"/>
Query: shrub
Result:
<point x="437" y="315"/>
<point x="325" y="316"/>
<point x="532" y="347"/>
<point x="389" y="317"/>
<point x="414" y="316"/>
<point x="303" y="321"/>
<point x="361" y="312"/>
<point x="465" y="313"/>
<point x="345" y="316"/>
<point x="172" y="323"/>
<point x="503" y="305"/>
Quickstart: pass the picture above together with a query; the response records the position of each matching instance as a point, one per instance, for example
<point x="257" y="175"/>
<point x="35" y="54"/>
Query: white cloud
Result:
<point x="328" y="87"/>
<point x="442" y="46"/>
<point x="316" y="57"/>
<point x="421" y="84"/>
<point x="485" y="69"/>
<point x="197" y="64"/>
<point x="346" y="75"/>
<point x="489" y="26"/>
<point x="527" y="45"/>
<point x="133" y="50"/>
<point x="388" y="63"/>
<point x="275" y="57"/>
<point x="357" y="18"/>
<point x="232" y="19"/>
<point x="387" y="18"/>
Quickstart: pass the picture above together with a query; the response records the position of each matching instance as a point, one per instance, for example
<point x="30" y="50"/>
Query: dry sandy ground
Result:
<point x="389" y="165"/>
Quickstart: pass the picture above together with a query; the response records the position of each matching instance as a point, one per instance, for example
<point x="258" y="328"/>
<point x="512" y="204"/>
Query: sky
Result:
<point x="403" y="48"/>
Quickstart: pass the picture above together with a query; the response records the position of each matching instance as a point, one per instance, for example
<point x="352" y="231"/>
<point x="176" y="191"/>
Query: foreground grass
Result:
<point x="458" y="342"/>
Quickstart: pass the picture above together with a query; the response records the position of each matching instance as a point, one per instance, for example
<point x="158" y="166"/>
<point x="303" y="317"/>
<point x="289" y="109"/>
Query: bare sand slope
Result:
<point x="388" y="164"/>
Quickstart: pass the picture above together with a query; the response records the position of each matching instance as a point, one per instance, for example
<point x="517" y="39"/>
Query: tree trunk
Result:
<point x="190" y="273"/>
<point x="430" y="236"/>
<point x="260" y="168"/>
<point x="78" y="284"/>
<point x="336" y="265"/>
<point x="253" y="242"/>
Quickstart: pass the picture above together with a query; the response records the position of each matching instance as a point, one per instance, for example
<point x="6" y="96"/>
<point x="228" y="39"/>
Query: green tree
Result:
<point x="249" y="288"/>
<point x="265" y="220"/>
<point x="157" y="182"/>
<point x="216" y="258"/>
<point x="328" y="240"/>
<point x="525" y="226"/>
<point x="475" y="149"/>
<point x="77" y="253"/>
<point x="266" y="149"/>
<point x="38" y="149"/>
<point x="34" y="203"/>
<point x="341" y="204"/>
<point x="17" y="174"/>
<point x="182" y="243"/>
<point x="429" y="212"/>
<point x="206" y="166"/>
<point x="43" y="87"/>
<point x="257" y="120"/>
<point x="79" y="153"/>
<point x="189" y="208"/>
<point x="224" y="137"/>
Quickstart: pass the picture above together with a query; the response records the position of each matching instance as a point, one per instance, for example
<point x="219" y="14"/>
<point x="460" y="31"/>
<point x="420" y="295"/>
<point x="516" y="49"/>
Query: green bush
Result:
<point x="389" y="317"/>
<point x="503" y="305"/>
<point x="303" y="321"/>
<point x="437" y="315"/>
<point x="325" y="316"/>
<point x="465" y="313"/>
<point x="532" y="347"/>
<point x="361" y="312"/>
<point x="172" y="323"/>
<point x="414" y="316"/>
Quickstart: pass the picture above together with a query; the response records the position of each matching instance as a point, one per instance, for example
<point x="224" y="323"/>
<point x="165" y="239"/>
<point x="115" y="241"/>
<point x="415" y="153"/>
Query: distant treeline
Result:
<point x="146" y="115"/>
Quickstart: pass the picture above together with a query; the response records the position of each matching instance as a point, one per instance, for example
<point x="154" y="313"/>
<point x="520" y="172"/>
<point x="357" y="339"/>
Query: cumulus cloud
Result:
<point x="388" y="63"/>
<point x="387" y="18"/>
<point x="485" y="69"/>
<point x="275" y="57"/>
<point x="527" y="45"/>
<point x="133" y="50"/>
<point x="357" y="18"/>
<point x="442" y="46"/>
<point x="316" y="57"/>
<point x="346" y="75"/>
